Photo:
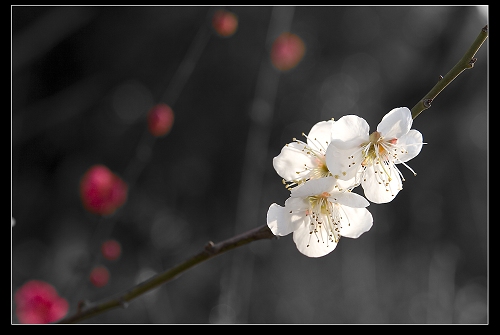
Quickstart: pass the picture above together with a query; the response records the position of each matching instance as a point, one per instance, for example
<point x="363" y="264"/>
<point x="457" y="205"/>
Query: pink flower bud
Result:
<point x="38" y="302"/>
<point x="99" y="276"/>
<point x="224" y="23"/>
<point x="111" y="250"/>
<point x="160" y="119"/>
<point x="102" y="192"/>
<point x="287" y="51"/>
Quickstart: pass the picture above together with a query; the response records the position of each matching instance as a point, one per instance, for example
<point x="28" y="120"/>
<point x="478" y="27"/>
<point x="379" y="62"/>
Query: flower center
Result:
<point x="325" y="219"/>
<point x="318" y="169"/>
<point x="377" y="149"/>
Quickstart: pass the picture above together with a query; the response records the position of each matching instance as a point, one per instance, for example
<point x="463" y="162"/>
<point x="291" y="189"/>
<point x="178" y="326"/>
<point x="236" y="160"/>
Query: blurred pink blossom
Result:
<point x="287" y="51"/>
<point x="111" y="249"/>
<point x="224" y="23"/>
<point x="102" y="192"/>
<point x="38" y="302"/>
<point x="160" y="119"/>
<point x="99" y="276"/>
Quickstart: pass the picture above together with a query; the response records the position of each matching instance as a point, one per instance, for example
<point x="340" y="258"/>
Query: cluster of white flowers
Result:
<point x="321" y="173"/>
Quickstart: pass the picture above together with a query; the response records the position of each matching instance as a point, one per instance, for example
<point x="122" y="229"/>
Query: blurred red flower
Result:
<point x="224" y="23"/>
<point x="160" y="119"/>
<point x="99" y="276"/>
<point x="102" y="192"/>
<point x="38" y="302"/>
<point x="111" y="249"/>
<point x="287" y="51"/>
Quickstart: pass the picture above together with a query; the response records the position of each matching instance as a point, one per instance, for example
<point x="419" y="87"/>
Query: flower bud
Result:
<point x="99" y="276"/>
<point x="160" y="119"/>
<point x="287" y="51"/>
<point x="224" y="23"/>
<point x="101" y="191"/>
<point x="111" y="250"/>
<point x="38" y="302"/>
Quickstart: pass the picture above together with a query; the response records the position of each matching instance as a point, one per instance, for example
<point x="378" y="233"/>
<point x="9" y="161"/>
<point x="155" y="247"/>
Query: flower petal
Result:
<point x="320" y="135"/>
<point x="349" y="199"/>
<point x="411" y="143"/>
<point x="297" y="204"/>
<point x="282" y="221"/>
<point x="350" y="131"/>
<point x="291" y="163"/>
<point x="343" y="164"/>
<point x="381" y="185"/>
<point x="310" y="244"/>
<point x="314" y="187"/>
<point x="355" y="222"/>
<point x="396" y="123"/>
<point x="277" y="220"/>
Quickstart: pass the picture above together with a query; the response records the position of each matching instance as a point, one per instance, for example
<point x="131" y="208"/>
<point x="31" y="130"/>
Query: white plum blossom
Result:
<point x="372" y="158"/>
<point x="318" y="214"/>
<point x="321" y="173"/>
<point x="301" y="161"/>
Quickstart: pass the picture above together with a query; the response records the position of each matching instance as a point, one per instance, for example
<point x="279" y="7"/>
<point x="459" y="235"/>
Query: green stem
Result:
<point x="211" y="250"/>
<point x="466" y="62"/>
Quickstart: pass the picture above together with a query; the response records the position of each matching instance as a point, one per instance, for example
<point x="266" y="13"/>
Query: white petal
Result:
<point x="349" y="199"/>
<point x="281" y="221"/>
<point x="308" y="243"/>
<point x="350" y="131"/>
<point x="320" y="135"/>
<point x="291" y="162"/>
<point x="377" y="185"/>
<point x="396" y="123"/>
<point x="276" y="220"/>
<point x="343" y="164"/>
<point x="411" y="144"/>
<point x="348" y="184"/>
<point x="314" y="187"/>
<point x="355" y="221"/>
<point x="297" y="204"/>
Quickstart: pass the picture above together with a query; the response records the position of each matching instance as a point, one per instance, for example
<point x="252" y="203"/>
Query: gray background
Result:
<point x="83" y="79"/>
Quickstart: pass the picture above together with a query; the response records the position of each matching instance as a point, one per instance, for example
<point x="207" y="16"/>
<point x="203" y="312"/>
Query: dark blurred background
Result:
<point x="83" y="79"/>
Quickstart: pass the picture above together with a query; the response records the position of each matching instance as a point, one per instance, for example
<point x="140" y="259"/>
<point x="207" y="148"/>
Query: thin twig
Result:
<point x="466" y="62"/>
<point x="210" y="250"/>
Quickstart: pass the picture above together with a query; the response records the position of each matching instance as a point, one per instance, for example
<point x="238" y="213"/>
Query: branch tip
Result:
<point x="466" y="62"/>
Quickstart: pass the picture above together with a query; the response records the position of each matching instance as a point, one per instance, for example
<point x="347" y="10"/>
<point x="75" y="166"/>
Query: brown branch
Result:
<point x="210" y="250"/>
<point x="466" y="62"/>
